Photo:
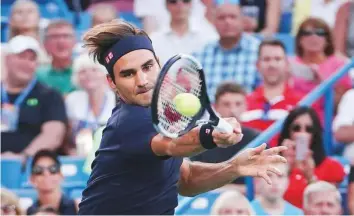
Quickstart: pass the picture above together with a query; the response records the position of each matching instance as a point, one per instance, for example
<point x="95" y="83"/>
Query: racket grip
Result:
<point x="223" y="126"/>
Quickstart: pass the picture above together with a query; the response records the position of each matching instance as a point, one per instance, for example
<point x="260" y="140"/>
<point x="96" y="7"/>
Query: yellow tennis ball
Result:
<point x="187" y="104"/>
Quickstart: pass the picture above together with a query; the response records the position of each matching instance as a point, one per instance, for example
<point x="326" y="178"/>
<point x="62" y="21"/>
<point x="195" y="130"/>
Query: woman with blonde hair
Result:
<point x="9" y="203"/>
<point x="90" y="107"/>
<point x="232" y="203"/>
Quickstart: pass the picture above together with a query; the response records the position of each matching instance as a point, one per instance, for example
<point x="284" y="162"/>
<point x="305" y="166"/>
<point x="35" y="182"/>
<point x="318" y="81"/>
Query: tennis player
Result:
<point x="136" y="170"/>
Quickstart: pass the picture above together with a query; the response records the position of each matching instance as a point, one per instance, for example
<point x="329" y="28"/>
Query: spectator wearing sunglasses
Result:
<point x="315" y="51"/>
<point x="9" y="203"/>
<point x="46" y="177"/>
<point x="308" y="162"/>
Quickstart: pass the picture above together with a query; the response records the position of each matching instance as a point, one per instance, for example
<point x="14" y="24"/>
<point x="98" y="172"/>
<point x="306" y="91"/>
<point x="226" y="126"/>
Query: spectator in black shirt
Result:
<point x="351" y="191"/>
<point x="46" y="178"/>
<point x="33" y="116"/>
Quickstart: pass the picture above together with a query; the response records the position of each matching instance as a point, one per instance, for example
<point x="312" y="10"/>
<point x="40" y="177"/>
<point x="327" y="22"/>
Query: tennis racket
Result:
<point x="182" y="74"/>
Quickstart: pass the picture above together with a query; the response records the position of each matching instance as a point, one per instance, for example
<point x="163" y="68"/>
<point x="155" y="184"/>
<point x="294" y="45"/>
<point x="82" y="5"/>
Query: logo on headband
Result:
<point x="109" y="57"/>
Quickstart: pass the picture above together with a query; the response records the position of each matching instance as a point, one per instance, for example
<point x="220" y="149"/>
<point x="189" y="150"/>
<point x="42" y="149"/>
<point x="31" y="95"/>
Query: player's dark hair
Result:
<point x="229" y="87"/>
<point x="317" y="141"/>
<point x="271" y="42"/>
<point x="102" y="37"/>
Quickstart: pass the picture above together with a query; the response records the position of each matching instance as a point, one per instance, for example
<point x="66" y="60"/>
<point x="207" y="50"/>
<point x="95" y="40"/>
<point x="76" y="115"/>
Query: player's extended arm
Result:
<point x="185" y="146"/>
<point x="197" y="178"/>
<point x="189" y="144"/>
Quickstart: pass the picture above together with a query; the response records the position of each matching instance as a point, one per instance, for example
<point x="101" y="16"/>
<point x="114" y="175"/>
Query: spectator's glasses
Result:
<point x="297" y="128"/>
<point x="39" y="170"/>
<point x="175" y="1"/>
<point x="319" y="32"/>
<point x="8" y="209"/>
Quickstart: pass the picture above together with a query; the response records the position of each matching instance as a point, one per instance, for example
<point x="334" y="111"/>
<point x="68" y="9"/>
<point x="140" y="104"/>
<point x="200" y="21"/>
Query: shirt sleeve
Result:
<point x="135" y="130"/>
<point x="54" y="108"/>
<point x="345" y="115"/>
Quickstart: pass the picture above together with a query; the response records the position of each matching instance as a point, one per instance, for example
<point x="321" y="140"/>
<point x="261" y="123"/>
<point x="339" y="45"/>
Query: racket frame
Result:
<point x="203" y="97"/>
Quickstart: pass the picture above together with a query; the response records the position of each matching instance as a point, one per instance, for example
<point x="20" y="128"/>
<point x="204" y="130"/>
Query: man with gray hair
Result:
<point x="322" y="198"/>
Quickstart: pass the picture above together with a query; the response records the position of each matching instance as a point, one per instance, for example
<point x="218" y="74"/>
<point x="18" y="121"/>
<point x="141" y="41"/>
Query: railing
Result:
<point x="325" y="89"/>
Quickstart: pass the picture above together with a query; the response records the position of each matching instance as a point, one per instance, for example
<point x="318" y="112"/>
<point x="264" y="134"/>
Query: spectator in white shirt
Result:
<point x="155" y="16"/>
<point x="343" y="124"/>
<point x="89" y="108"/>
<point x="181" y="35"/>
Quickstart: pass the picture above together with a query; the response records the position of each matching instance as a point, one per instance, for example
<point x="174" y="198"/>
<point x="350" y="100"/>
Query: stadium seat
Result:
<point x="72" y="169"/>
<point x="27" y="197"/>
<point x="287" y="39"/>
<point x="285" y="22"/>
<point x="76" y="195"/>
<point x="11" y="173"/>
<point x="199" y="205"/>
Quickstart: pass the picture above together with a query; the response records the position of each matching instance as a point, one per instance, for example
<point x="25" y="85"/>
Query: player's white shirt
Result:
<point x="345" y="117"/>
<point x="77" y="103"/>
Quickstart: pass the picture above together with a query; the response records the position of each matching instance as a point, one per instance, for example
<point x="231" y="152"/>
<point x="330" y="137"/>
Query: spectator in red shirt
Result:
<point x="273" y="100"/>
<point x="309" y="163"/>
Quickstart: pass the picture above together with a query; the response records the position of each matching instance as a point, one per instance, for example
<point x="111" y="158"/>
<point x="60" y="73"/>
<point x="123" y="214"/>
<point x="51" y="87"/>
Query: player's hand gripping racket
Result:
<point x="182" y="74"/>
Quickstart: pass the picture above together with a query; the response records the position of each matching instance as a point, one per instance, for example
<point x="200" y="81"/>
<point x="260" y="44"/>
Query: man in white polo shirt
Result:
<point x="343" y="124"/>
<point x="182" y="35"/>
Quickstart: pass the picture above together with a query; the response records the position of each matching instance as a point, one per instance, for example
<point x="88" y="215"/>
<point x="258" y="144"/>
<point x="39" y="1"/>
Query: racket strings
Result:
<point x="184" y="80"/>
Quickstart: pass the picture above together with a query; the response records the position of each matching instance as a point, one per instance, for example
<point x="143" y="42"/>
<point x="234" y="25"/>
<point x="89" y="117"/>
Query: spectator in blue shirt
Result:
<point x="270" y="200"/>
<point x="233" y="57"/>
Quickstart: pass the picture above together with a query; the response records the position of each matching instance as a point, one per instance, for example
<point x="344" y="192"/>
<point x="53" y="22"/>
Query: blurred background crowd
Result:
<point x="261" y="57"/>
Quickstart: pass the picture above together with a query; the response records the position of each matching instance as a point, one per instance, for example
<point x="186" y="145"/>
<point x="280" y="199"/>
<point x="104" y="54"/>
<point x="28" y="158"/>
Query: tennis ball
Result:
<point x="187" y="104"/>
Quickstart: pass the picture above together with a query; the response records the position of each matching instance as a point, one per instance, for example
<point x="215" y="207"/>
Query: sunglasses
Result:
<point x="319" y="32"/>
<point x="297" y="128"/>
<point x="8" y="209"/>
<point x="175" y="1"/>
<point x="39" y="170"/>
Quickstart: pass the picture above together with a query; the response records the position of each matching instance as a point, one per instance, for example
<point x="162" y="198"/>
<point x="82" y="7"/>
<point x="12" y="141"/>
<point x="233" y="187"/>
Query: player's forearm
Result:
<point x="204" y="177"/>
<point x="51" y="137"/>
<point x="184" y="146"/>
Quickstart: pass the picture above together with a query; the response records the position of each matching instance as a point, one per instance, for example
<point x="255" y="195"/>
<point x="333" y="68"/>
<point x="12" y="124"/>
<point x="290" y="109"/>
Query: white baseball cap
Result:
<point x="21" y="43"/>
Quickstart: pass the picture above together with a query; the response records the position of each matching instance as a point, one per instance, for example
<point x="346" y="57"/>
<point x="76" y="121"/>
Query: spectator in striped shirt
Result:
<point x="233" y="57"/>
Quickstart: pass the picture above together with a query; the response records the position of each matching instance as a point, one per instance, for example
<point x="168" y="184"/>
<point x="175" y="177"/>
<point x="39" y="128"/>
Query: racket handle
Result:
<point x="224" y="126"/>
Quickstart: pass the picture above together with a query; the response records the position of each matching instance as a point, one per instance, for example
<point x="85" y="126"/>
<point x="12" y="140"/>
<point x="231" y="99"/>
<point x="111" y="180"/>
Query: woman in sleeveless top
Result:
<point x="344" y="29"/>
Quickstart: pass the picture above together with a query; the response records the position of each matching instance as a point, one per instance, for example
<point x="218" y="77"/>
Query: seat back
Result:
<point x="199" y="205"/>
<point x="27" y="197"/>
<point x="11" y="173"/>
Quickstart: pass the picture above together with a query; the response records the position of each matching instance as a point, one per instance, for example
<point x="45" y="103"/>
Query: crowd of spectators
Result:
<point x="55" y="99"/>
